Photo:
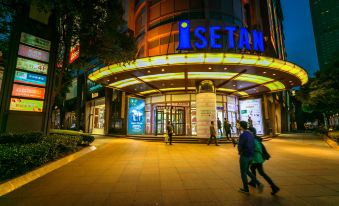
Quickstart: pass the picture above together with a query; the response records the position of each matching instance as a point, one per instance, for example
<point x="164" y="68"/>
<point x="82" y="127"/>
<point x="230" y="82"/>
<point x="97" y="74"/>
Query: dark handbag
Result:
<point x="265" y="154"/>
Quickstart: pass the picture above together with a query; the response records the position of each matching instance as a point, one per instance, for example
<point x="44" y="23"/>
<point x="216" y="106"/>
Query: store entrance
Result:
<point x="170" y="113"/>
<point x="98" y="119"/>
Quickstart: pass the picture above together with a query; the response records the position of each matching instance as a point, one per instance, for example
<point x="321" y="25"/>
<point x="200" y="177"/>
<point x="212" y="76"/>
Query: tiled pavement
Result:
<point x="129" y="172"/>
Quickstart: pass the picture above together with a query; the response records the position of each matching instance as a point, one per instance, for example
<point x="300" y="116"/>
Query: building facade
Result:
<point x="198" y="61"/>
<point x="326" y="30"/>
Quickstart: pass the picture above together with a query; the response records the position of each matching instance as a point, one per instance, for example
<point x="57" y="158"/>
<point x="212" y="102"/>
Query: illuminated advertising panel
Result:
<point x="33" y="53"/>
<point x="27" y="105"/>
<point x="27" y="91"/>
<point x="252" y="108"/>
<point x="75" y="53"/>
<point x="35" y="41"/>
<point x="32" y="66"/>
<point x="29" y="78"/>
<point x="136" y="116"/>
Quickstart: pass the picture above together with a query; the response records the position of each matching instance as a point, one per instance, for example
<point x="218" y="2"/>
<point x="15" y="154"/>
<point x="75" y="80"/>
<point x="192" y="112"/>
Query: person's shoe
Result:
<point x="275" y="190"/>
<point x="170" y="143"/>
<point x="251" y="184"/>
<point x="244" y="191"/>
<point x="260" y="188"/>
<point x="217" y="145"/>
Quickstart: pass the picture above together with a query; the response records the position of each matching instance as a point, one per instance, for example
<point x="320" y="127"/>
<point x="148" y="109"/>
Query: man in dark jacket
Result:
<point x="212" y="134"/>
<point x="246" y="152"/>
<point x="169" y="129"/>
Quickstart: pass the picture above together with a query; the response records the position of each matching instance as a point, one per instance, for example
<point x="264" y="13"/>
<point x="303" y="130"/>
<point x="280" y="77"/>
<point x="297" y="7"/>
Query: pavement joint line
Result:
<point x="20" y="181"/>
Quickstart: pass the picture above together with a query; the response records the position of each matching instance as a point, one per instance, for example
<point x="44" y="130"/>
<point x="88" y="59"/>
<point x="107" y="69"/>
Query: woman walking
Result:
<point x="258" y="161"/>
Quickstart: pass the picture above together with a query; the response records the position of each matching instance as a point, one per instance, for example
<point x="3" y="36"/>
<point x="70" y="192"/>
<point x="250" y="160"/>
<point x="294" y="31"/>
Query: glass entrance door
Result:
<point x="232" y="118"/>
<point x="178" y="120"/>
<point x="160" y="122"/>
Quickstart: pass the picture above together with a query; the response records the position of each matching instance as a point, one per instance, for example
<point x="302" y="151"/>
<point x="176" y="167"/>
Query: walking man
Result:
<point x="246" y="152"/>
<point x="228" y="128"/>
<point x="258" y="162"/>
<point x="212" y="134"/>
<point x="219" y="126"/>
<point x="169" y="129"/>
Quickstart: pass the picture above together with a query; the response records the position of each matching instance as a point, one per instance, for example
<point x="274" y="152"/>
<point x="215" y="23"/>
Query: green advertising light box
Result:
<point x="32" y="66"/>
<point x="35" y="41"/>
<point x="26" y="105"/>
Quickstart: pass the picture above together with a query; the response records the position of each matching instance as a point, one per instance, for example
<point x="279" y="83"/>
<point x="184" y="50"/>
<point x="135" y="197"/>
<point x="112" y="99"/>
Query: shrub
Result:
<point x="16" y="159"/>
<point x="87" y="139"/>
<point x="21" y="138"/>
<point x="24" y="152"/>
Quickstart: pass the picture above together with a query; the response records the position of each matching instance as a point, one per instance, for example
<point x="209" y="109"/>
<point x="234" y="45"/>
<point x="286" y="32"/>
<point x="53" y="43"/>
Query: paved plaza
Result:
<point x="131" y="172"/>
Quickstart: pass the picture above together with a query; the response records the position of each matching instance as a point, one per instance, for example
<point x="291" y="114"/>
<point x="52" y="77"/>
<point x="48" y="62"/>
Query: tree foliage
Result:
<point x="6" y="18"/>
<point x="321" y="94"/>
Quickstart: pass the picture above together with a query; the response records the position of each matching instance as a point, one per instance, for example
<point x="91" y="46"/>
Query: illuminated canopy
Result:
<point x="242" y="70"/>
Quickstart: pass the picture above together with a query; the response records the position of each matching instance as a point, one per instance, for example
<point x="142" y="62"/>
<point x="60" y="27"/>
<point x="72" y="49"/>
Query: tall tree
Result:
<point x="98" y="26"/>
<point x="321" y="94"/>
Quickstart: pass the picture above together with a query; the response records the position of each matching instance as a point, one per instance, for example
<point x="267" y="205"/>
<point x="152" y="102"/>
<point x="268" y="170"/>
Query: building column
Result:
<point x="206" y="100"/>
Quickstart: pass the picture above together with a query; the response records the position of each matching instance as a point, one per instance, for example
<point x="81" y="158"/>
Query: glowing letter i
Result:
<point x="184" y="35"/>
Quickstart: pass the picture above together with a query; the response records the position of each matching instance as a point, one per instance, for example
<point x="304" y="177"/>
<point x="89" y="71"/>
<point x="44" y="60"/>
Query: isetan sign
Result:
<point x="212" y="37"/>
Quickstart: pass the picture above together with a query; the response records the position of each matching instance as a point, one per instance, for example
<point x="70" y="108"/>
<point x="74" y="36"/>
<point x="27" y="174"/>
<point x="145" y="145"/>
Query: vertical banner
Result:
<point x="136" y="116"/>
<point x="252" y="108"/>
<point x="29" y="76"/>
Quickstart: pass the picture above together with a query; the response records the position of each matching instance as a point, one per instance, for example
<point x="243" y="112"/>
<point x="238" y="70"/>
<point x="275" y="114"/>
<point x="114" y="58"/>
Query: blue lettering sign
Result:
<point x="214" y="38"/>
<point x="184" y="35"/>
<point x="199" y="33"/>
<point x="231" y="30"/>
<point x="258" y="41"/>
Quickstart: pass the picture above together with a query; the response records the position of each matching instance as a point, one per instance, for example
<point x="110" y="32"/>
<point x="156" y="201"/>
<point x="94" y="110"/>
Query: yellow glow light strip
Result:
<point x="161" y="77"/>
<point x="166" y="90"/>
<point x="210" y="75"/>
<point x="125" y="83"/>
<point x="253" y="78"/>
<point x="274" y="86"/>
<point x="204" y="58"/>
<point x="232" y="90"/>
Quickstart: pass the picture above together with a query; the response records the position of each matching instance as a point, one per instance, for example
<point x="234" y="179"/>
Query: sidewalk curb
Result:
<point x="331" y="142"/>
<point x="17" y="182"/>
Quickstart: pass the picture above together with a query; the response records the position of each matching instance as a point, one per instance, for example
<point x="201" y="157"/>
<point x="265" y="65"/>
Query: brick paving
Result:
<point x="130" y="172"/>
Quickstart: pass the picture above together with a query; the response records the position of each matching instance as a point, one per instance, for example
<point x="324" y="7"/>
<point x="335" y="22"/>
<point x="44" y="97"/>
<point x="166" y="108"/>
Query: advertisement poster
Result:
<point x="32" y="66"/>
<point x="33" y="53"/>
<point x="252" y="108"/>
<point x="27" y="91"/>
<point x="136" y="116"/>
<point x="29" y="78"/>
<point x="35" y="41"/>
<point x="26" y="105"/>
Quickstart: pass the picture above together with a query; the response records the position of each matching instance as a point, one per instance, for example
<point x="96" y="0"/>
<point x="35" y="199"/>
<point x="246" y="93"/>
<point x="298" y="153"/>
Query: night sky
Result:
<point x="299" y="36"/>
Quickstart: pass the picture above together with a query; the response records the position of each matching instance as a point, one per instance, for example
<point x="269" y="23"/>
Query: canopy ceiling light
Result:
<point x="253" y="62"/>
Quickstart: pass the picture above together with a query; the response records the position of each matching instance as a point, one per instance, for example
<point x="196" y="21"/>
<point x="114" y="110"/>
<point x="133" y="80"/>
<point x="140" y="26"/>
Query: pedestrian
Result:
<point x="219" y="126"/>
<point x="228" y="128"/>
<point x="169" y="129"/>
<point x="250" y="122"/>
<point x="212" y="134"/>
<point x="258" y="162"/>
<point x="246" y="152"/>
<point x="237" y="126"/>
